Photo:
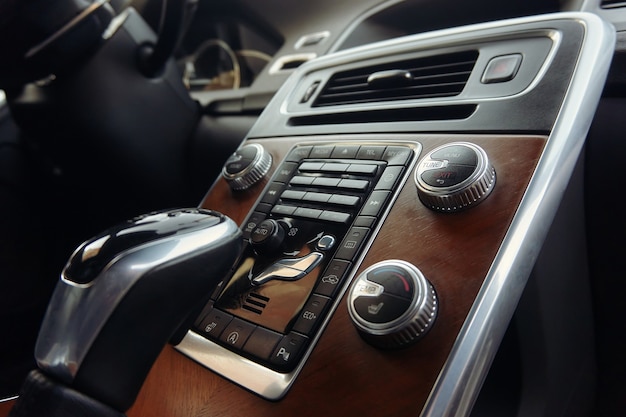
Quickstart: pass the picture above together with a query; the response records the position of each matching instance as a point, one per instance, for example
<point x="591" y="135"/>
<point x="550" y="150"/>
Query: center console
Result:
<point x="394" y="199"/>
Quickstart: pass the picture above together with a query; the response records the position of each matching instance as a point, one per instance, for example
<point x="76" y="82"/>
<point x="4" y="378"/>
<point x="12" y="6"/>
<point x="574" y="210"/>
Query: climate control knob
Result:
<point x="455" y="176"/>
<point x="392" y="304"/>
<point x="267" y="237"/>
<point x="247" y="166"/>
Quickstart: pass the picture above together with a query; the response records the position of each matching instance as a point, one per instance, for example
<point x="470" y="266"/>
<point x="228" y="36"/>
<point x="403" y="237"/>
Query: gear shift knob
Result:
<point x="125" y="292"/>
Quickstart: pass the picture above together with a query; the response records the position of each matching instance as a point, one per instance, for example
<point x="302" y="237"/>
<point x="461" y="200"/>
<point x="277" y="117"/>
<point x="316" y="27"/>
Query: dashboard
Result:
<point x="336" y="185"/>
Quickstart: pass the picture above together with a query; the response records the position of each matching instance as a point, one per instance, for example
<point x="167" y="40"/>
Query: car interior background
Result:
<point x="97" y="143"/>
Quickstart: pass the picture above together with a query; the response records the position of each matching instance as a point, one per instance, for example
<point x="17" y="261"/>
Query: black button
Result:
<point x="375" y="203"/>
<point x="307" y="213"/>
<point x="288" y="351"/>
<point x="365" y="221"/>
<point x="317" y="197"/>
<point x="360" y="185"/>
<point x="311" y="166"/>
<point x="321" y="151"/>
<point x="390" y="177"/>
<point x="263" y="208"/>
<point x="335" y="216"/>
<point x="300" y="180"/>
<point x="335" y="167"/>
<point x="326" y="182"/>
<point x="381" y="309"/>
<point x="351" y="243"/>
<point x="344" y="200"/>
<point x="237" y="332"/>
<point x="253" y="221"/>
<point x="273" y="193"/>
<point x="292" y="195"/>
<point x="397" y="155"/>
<point x="262" y="342"/>
<point x="447" y="177"/>
<point x="214" y="323"/>
<point x="347" y="152"/>
<point x="285" y="172"/>
<point x="363" y="169"/>
<point x="299" y="153"/>
<point x="457" y="154"/>
<point x="371" y="152"/>
<point x="332" y="278"/>
<point x="281" y="210"/>
<point x="311" y="314"/>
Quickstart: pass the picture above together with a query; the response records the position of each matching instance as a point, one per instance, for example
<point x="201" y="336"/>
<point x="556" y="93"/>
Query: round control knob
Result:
<point x="455" y="176"/>
<point x="247" y="166"/>
<point x="392" y="305"/>
<point x="267" y="237"/>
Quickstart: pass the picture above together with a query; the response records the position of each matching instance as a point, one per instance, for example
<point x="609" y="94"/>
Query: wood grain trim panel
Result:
<point x="344" y="375"/>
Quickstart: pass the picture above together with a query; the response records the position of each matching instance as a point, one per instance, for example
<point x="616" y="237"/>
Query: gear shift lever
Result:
<point x="125" y="292"/>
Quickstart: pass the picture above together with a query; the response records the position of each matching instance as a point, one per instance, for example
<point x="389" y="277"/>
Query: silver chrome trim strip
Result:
<point x="253" y="376"/>
<point x="5" y="400"/>
<point x="460" y="380"/>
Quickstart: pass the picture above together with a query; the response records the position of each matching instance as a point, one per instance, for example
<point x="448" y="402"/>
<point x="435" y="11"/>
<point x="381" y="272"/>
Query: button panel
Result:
<point x="328" y="199"/>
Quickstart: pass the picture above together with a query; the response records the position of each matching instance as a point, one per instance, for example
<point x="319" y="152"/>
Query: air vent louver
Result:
<point x="430" y="77"/>
<point x="613" y="4"/>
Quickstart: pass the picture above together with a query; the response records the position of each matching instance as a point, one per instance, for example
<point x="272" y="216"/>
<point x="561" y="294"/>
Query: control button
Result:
<point x="333" y="278"/>
<point x="307" y="213"/>
<point x="360" y="185"/>
<point x="253" y="221"/>
<point x="285" y="172"/>
<point x="298" y="153"/>
<point x="288" y="351"/>
<point x="381" y="309"/>
<point x="237" y="332"/>
<point x="501" y="69"/>
<point x="205" y="311"/>
<point x="362" y="169"/>
<point x="326" y="242"/>
<point x="326" y="182"/>
<point x="346" y="152"/>
<point x="390" y="178"/>
<point x="335" y="216"/>
<point x="344" y="200"/>
<point x="311" y="314"/>
<point x="455" y="176"/>
<point x="397" y="155"/>
<point x="267" y="237"/>
<point x="300" y="180"/>
<point x="321" y="151"/>
<point x="371" y="152"/>
<point x="273" y="192"/>
<point x="351" y="243"/>
<point x="263" y="208"/>
<point x="292" y="195"/>
<point x="335" y="167"/>
<point x="214" y="323"/>
<point x="392" y="304"/>
<point x="456" y="154"/>
<point x="262" y="342"/>
<point x="365" y="221"/>
<point x="311" y="166"/>
<point x="282" y="210"/>
<point x="247" y="166"/>
<point x="448" y="176"/>
<point x="375" y="203"/>
<point x="317" y="197"/>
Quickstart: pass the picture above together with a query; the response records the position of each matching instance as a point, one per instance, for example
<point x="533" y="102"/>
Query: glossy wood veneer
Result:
<point x="344" y="375"/>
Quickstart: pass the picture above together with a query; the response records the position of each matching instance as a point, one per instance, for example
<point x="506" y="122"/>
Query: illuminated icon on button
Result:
<point x="375" y="308"/>
<point x="309" y="315"/>
<point x="232" y="338"/>
<point x="331" y="279"/>
<point x="350" y="244"/>
<point x="282" y="352"/>
<point x="374" y="203"/>
<point x="210" y="327"/>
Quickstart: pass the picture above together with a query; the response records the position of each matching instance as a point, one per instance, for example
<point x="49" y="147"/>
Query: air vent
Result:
<point x="430" y="77"/>
<point x="612" y="4"/>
